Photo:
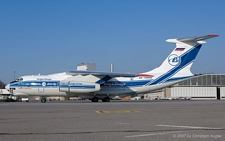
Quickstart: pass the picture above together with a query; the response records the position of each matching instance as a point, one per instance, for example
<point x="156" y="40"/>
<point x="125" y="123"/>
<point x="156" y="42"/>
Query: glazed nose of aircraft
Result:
<point x="7" y="87"/>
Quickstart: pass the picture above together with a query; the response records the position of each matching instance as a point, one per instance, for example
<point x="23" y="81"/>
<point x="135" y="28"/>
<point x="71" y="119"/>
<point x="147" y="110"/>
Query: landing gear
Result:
<point x="106" y="99"/>
<point x="94" y="99"/>
<point x="43" y="100"/>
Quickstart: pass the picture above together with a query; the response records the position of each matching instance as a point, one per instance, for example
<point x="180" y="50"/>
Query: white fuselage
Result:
<point x="49" y="85"/>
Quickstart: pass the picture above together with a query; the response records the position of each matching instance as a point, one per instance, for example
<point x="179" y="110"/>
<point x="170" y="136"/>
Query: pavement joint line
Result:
<point x="144" y="135"/>
<point x="122" y="123"/>
<point x="191" y="127"/>
<point x="116" y="111"/>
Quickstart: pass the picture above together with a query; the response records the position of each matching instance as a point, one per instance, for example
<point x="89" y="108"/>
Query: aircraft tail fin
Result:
<point x="180" y="60"/>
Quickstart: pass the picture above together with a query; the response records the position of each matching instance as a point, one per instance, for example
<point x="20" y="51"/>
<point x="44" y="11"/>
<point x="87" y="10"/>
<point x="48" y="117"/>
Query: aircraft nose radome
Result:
<point x="7" y="87"/>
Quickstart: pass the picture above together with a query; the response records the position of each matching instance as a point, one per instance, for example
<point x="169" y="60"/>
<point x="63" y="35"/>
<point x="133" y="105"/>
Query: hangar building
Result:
<point x="200" y="87"/>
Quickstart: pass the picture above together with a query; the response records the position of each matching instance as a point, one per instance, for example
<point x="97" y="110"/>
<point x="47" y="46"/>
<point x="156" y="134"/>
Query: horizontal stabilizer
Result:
<point x="199" y="38"/>
<point x="193" y="39"/>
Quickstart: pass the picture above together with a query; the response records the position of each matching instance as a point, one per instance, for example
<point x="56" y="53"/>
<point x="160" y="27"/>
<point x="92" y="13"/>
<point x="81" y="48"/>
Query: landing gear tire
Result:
<point x="106" y="99"/>
<point x="43" y="100"/>
<point x="94" y="99"/>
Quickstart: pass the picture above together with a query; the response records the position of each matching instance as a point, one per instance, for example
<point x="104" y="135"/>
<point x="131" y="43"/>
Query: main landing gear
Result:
<point x="106" y="99"/>
<point x="43" y="100"/>
<point x="95" y="99"/>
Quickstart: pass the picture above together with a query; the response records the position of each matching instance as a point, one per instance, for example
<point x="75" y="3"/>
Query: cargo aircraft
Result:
<point x="104" y="86"/>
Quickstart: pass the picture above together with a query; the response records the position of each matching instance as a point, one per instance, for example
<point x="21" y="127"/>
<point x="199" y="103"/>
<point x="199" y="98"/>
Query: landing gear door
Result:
<point x="40" y="90"/>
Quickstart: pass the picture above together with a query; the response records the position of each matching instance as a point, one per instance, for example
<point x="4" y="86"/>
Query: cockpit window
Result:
<point x="17" y="80"/>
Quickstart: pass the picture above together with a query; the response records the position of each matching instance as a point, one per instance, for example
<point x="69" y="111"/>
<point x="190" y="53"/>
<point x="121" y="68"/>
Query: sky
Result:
<point x="52" y="36"/>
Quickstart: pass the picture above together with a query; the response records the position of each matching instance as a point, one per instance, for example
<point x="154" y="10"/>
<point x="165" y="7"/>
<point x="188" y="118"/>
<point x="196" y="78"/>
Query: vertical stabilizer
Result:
<point x="180" y="60"/>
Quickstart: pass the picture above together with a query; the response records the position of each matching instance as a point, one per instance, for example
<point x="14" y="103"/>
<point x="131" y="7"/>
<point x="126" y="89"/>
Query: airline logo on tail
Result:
<point x="174" y="60"/>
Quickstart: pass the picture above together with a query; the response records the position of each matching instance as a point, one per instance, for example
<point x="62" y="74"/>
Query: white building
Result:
<point x="4" y="91"/>
<point x="4" y="94"/>
<point x="86" y="67"/>
<point x="201" y="87"/>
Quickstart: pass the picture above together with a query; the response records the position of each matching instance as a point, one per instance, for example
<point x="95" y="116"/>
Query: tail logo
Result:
<point x="174" y="60"/>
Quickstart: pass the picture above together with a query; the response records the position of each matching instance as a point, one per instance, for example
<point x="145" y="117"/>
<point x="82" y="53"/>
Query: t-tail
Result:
<point x="177" y="65"/>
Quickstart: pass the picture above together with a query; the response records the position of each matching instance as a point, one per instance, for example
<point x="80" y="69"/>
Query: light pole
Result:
<point x="14" y="75"/>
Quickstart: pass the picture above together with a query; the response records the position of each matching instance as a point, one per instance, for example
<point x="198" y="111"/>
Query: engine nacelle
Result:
<point x="78" y="87"/>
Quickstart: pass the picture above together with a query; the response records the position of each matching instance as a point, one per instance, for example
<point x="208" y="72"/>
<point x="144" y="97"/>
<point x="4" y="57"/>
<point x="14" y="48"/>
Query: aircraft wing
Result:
<point x="100" y="74"/>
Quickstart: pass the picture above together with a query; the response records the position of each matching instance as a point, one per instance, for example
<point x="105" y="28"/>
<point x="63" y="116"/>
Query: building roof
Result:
<point x="205" y="80"/>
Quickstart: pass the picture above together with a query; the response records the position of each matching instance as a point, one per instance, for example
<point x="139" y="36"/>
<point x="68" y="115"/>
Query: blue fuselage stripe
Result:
<point x="83" y="87"/>
<point x="35" y="84"/>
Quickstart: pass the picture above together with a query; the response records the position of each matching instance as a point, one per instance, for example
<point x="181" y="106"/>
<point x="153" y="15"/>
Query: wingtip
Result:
<point x="145" y="75"/>
<point x="214" y="35"/>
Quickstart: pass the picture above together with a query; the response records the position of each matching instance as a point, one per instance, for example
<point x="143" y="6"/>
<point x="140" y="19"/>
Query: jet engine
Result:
<point x="78" y="87"/>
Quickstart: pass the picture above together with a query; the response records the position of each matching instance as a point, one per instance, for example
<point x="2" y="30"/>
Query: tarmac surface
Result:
<point x="114" y="121"/>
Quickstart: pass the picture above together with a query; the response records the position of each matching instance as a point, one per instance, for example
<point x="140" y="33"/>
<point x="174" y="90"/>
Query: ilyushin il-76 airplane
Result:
<point x="104" y="86"/>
